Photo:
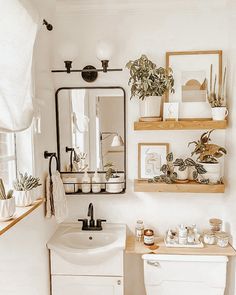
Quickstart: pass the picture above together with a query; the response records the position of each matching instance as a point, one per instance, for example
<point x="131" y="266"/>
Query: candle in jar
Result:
<point x="148" y="237"/>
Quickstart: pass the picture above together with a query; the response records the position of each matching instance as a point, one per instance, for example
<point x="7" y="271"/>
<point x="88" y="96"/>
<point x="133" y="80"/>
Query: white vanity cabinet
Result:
<point x="102" y="278"/>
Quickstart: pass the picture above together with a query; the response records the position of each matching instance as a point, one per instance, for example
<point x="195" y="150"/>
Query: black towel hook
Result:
<point x="51" y="156"/>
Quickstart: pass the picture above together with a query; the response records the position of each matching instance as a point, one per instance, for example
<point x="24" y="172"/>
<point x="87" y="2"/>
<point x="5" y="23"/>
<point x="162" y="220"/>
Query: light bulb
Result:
<point x="104" y="50"/>
<point x="68" y="51"/>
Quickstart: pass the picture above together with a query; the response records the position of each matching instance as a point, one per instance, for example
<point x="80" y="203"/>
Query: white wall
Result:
<point x="24" y="262"/>
<point x="135" y="27"/>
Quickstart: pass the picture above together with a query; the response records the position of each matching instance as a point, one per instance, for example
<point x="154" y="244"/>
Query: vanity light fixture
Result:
<point x="89" y="73"/>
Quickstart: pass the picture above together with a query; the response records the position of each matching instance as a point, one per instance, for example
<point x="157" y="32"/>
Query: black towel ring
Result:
<point x="51" y="156"/>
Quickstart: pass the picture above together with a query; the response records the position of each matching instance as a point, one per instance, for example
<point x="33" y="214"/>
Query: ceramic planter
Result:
<point x="114" y="185"/>
<point x="213" y="172"/>
<point x="219" y="113"/>
<point x="24" y="198"/>
<point x="7" y="209"/>
<point x="150" y="107"/>
<point x="181" y="175"/>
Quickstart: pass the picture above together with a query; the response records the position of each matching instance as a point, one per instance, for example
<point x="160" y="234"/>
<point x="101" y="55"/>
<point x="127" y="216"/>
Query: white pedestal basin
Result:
<point x="87" y="247"/>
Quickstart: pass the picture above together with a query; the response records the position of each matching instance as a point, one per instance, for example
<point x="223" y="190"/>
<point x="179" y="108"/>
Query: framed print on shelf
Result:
<point x="151" y="156"/>
<point x="191" y="71"/>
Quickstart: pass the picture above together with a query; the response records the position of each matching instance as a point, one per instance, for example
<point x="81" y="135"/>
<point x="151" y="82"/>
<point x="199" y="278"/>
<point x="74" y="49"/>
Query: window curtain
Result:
<point x="19" y="23"/>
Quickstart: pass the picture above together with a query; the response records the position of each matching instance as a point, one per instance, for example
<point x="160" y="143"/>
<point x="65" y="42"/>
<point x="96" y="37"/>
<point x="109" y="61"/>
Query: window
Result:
<point x="7" y="158"/>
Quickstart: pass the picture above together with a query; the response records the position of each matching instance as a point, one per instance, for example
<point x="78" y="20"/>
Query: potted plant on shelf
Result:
<point x="114" y="181"/>
<point x="217" y="100"/>
<point x="177" y="171"/>
<point x="149" y="84"/>
<point x="7" y="203"/>
<point x="208" y="155"/>
<point x="24" y="186"/>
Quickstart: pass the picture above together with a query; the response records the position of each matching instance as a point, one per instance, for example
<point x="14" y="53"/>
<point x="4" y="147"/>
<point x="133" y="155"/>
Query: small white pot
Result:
<point x="7" y="209"/>
<point x="219" y="113"/>
<point x="181" y="175"/>
<point x="150" y="106"/>
<point x="24" y="198"/>
<point x="113" y="187"/>
<point x="213" y="172"/>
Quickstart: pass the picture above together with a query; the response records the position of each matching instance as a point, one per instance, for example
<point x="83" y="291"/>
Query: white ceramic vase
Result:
<point x="150" y="106"/>
<point x="7" y="209"/>
<point x="181" y="175"/>
<point x="24" y="198"/>
<point x="213" y="172"/>
<point x="114" y="184"/>
<point x="219" y="113"/>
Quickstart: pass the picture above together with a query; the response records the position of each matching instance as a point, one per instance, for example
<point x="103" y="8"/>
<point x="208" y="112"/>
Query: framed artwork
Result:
<point x="171" y="111"/>
<point x="151" y="156"/>
<point x="191" y="71"/>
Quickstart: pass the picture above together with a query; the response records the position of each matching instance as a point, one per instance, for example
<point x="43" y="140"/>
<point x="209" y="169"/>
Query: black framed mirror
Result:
<point x="91" y="138"/>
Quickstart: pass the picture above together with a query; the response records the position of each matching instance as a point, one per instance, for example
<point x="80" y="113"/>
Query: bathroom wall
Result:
<point x="136" y="27"/>
<point x="24" y="264"/>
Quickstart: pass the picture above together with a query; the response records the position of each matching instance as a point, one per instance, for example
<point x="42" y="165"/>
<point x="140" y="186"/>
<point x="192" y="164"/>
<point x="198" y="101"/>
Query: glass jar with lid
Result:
<point x="209" y="238"/>
<point x="222" y="239"/>
<point x="139" y="230"/>
<point x="215" y="224"/>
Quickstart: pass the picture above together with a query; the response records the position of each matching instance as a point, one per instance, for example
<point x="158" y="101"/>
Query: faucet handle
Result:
<point x="85" y="222"/>
<point x="99" y="222"/>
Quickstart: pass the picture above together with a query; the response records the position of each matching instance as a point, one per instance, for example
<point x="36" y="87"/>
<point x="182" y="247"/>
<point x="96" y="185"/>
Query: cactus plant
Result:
<point x="25" y="182"/>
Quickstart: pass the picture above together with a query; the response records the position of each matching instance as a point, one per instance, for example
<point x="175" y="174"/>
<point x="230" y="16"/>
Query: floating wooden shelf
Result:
<point x="181" y="125"/>
<point x="134" y="247"/>
<point x="190" y="187"/>
<point x="21" y="212"/>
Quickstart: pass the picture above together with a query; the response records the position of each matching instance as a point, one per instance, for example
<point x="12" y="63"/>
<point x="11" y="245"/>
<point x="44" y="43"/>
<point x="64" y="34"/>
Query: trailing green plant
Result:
<point x="25" y="182"/>
<point x="170" y="176"/>
<point x="3" y="195"/>
<point x="207" y="152"/>
<point x="110" y="172"/>
<point x="184" y="164"/>
<point x="216" y="99"/>
<point x="148" y="80"/>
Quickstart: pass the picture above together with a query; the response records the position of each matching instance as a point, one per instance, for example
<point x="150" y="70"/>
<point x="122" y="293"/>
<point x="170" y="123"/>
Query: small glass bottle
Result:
<point x="139" y="230"/>
<point x="86" y="183"/>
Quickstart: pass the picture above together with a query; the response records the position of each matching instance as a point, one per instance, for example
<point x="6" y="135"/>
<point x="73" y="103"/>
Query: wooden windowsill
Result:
<point x="21" y="212"/>
<point x="134" y="247"/>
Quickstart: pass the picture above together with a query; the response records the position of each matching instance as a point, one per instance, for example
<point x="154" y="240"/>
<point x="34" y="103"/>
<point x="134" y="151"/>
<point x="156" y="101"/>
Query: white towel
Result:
<point x="56" y="201"/>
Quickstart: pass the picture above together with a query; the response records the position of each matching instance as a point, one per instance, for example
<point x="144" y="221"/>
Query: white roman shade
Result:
<point x="18" y="29"/>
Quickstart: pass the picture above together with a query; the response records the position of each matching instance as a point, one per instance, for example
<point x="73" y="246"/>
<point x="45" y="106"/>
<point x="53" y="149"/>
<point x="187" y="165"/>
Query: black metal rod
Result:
<point x="86" y="71"/>
<point x="48" y="154"/>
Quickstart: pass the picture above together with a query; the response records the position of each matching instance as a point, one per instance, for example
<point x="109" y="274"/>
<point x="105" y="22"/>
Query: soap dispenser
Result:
<point x="86" y="183"/>
<point x="96" y="183"/>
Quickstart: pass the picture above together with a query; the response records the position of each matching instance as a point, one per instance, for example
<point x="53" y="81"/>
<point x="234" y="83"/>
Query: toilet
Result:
<point x="184" y="274"/>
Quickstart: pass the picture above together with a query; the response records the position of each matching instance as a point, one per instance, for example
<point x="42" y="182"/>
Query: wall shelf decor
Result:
<point x="190" y="187"/>
<point x="180" y="125"/>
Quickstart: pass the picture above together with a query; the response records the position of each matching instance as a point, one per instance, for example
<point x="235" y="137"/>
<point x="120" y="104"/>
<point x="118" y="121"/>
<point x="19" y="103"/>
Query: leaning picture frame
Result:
<point x="192" y="73"/>
<point x="151" y="156"/>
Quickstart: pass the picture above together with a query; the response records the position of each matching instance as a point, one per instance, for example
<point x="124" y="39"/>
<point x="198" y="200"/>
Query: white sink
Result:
<point x="87" y="247"/>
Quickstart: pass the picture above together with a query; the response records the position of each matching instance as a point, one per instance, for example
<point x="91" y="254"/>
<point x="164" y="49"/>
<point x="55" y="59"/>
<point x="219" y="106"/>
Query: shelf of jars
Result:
<point x="74" y="183"/>
<point x="181" y="124"/>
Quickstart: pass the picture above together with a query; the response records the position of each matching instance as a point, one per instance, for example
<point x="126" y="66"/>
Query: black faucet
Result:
<point x="90" y="225"/>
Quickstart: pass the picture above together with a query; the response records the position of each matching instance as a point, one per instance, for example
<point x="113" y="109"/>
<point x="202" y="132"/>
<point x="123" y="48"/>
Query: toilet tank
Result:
<point x="184" y="274"/>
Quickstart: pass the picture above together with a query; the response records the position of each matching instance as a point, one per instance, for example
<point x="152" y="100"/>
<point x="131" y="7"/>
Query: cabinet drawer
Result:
<point x="86" y="285"/>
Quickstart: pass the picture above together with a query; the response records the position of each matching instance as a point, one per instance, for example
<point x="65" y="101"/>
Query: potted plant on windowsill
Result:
<point x="149" y="84"/>
<point x="24" y="186"/>
<point x="115" y="182"/>
<point x="208" y="155"/>
<point x="217" y="100"/>
<point x="7" y="203"/>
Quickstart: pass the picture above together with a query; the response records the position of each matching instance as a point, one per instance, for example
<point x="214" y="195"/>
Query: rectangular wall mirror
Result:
<point x="91" y="137"/>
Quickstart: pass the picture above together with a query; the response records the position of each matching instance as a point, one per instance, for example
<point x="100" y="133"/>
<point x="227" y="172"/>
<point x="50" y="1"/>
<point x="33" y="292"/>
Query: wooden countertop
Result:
<point x="134" y="247"/>
<point x="21" y="212"/>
